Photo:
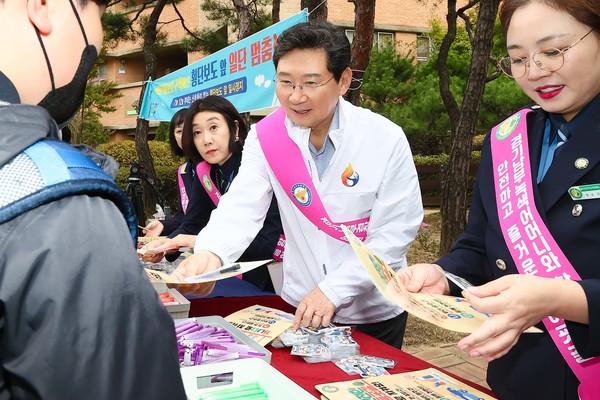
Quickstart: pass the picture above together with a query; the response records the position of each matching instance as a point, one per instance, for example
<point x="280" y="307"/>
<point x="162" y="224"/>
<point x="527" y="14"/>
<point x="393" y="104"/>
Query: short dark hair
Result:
<point x="317" y="35"/>
<point x="586" y="12"/>
<point x="176" y="120"/>
<point x="99" y="2"/>
<point x="228" y="111"/>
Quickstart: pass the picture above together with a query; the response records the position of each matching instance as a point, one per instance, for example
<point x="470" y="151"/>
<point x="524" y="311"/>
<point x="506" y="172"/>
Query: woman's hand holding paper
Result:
<point x="424" y="278"/>
<point x="517" y="302"/>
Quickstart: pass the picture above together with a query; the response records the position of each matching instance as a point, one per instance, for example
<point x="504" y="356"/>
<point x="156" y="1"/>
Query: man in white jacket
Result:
<point x="360" y="166"/>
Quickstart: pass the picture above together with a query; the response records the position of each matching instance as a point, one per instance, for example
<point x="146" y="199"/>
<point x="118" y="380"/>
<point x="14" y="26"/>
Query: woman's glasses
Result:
<point x="549" y="60"/>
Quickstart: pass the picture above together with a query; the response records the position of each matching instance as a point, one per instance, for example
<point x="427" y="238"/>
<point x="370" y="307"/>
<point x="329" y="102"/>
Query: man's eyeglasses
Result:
<point x="549" y="60"/>
<point x="306" y="87"/>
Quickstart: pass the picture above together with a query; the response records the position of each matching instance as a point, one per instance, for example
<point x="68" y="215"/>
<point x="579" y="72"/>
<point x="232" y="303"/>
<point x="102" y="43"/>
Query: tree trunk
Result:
<point x="241" y="10"/>
<point x="275" y="11"/>
<point x="316" y="8"/>
<point x="142" y="126"/>
<point x="243" y="14"/>
<point x="364" y="26"/>
<point x="463" y="120"/>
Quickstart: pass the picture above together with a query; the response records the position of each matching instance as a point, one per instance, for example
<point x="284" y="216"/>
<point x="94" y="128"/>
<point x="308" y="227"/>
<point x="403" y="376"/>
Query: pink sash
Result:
<point x="286" y="161"/>
<point x="203" y="173"/>
<point x="182" y="191"/>
<point x="531" y="245"/>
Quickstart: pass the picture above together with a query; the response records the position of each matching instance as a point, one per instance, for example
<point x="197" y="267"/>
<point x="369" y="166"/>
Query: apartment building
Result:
<point x="405" y="22"/>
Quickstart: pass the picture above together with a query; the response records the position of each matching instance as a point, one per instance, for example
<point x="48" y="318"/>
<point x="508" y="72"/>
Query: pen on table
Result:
<point x="223" y="270"/>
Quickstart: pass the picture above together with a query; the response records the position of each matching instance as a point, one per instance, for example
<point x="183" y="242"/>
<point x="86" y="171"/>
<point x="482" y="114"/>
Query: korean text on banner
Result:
<point x="242" y="72"/>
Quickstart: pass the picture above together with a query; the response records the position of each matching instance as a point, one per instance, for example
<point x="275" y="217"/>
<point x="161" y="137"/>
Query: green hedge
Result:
<point x="431" y="182"/>
<point x="443" y="159"/>
<point x="165" y="166"/>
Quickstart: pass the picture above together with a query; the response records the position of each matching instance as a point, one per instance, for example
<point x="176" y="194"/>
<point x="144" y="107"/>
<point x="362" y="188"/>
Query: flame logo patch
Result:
<point x="349" y="176"/>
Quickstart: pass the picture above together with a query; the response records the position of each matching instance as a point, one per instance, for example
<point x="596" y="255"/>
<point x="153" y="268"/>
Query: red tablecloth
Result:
<point x="308" y="375"/>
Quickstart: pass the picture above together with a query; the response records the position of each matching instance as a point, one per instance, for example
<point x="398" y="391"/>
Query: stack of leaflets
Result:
<point x="427" y="384"/>
<point x="262" y="324"/>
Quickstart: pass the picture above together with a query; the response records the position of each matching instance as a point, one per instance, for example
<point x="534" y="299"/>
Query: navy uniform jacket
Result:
<point x="534" y="368"/>
<point x="172" y="225"/>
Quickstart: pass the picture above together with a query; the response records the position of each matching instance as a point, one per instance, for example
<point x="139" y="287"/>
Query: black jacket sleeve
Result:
<point x="198" y="211"/>
<point x="79" y="317"/>
<point x="173" y="224"/>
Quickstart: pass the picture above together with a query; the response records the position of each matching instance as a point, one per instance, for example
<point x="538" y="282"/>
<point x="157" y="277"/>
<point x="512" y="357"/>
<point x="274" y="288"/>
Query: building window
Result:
<point x="350" y="35"/>
<point x="379" y="38"/>
<point x="423" y="48"/>
<point x="102" y="71"/>
<point x="384" y="39"/>
<point x="100" y="76"/>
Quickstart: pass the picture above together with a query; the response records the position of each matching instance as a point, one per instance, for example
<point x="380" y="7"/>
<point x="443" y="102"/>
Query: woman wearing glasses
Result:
<point x="533" y="234"/>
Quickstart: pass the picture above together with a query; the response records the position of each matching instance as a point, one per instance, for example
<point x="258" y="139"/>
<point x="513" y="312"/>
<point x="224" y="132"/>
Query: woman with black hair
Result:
<point x="213" y="137"/>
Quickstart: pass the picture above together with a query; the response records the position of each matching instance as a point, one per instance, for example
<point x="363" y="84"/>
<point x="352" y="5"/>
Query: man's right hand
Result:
<point x="424" y="278"/>
<point x="196" y="264"/>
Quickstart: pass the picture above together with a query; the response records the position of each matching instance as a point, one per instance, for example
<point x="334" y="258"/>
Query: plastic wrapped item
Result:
<point x="278" y="343"/>
<point x="208" y="340"/>
<point x="379" y="361"/>
<point x="312" y="352"/>
<point x="365" y="365"/>
<point x="291" y="337"/>
<point x="341" y="344"/>
<point x="316" y="334"/>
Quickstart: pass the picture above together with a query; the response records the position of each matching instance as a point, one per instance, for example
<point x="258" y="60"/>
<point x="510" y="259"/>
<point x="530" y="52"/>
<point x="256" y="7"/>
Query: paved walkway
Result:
<point x="448" y="357"/>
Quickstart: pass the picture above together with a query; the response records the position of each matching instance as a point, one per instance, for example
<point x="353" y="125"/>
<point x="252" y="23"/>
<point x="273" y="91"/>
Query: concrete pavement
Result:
<point x="448" y="357"/>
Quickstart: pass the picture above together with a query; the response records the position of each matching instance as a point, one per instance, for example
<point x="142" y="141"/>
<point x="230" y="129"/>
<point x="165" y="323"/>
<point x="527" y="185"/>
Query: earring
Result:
<point x="237" y="138"/>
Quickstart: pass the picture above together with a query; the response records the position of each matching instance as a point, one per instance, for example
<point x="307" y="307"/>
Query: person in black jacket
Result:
<point x="213" y="137"/>
<point x="78" y="317"/>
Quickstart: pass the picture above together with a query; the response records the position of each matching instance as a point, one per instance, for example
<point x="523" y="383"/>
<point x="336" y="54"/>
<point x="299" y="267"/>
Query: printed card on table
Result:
<point x="425" y="384"/>
<point x="262" y="324"/>
<point x="160" y="276"/>
<point x="449" y="312"/>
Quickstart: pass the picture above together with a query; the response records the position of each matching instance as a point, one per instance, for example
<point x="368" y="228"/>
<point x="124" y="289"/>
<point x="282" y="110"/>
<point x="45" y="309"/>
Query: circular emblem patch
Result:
<point x="301" y="194"/>
<point x="575" y="193"/>
<point x="207" y="183"/>
<point x="508" y="127"/>
<point x="330" y="389"/>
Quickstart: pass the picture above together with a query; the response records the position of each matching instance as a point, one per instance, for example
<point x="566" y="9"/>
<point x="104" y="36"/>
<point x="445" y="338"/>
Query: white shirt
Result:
<point x="387" y="191"/>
